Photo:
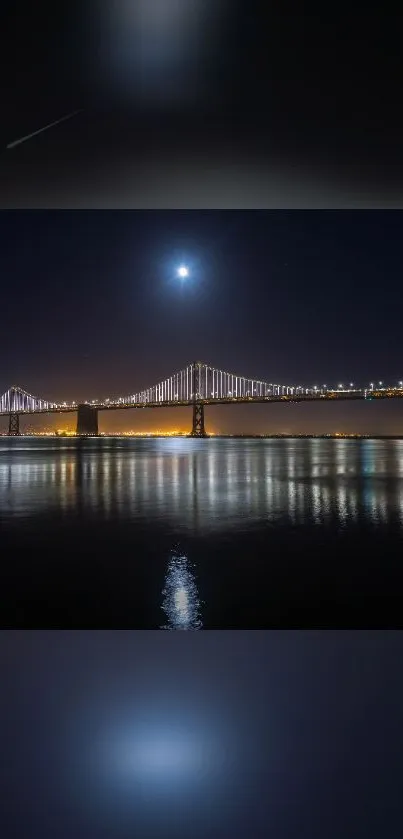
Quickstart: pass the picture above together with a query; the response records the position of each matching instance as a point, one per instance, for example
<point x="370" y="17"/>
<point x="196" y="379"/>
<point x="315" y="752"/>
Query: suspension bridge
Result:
<point x="196" y="386"/>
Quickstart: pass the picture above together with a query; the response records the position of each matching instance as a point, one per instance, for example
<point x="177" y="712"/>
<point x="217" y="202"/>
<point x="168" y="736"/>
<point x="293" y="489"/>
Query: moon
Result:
<point x="183" y="271"/>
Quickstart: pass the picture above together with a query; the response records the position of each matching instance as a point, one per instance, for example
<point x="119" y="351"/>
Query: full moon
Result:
<point x="183" y="271"/>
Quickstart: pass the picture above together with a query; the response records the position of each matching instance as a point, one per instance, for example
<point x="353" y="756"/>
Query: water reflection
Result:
<point x="181" y="602"/>
<point x="207" y="485"/>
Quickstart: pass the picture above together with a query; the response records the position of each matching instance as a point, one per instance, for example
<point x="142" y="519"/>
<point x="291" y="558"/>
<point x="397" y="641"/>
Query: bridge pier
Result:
<point x="14" y="425"/>
<point x="198" y="429"/>
<point x="87" y="421"/>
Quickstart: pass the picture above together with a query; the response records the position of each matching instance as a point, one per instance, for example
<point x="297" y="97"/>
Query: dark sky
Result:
<point x="70" y="50"/>
<point x="91" y="308"/>
<point x="268" y="61"/>
<point x="118" y="734"/>
<point x="268" y="88"/>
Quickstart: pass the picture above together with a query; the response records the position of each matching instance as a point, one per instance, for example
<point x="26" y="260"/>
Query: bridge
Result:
<point x="196" y="386"/>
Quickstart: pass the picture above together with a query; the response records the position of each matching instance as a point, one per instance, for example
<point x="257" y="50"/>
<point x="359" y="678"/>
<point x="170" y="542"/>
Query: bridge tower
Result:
<point x="87" y="421"/>
<point x="198" y="429"/>
<point x="14" y="425"/>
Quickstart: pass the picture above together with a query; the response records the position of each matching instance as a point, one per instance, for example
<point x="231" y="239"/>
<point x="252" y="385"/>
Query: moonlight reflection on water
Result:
<point x="181" y="602"/>
<point x="257" y="514"/>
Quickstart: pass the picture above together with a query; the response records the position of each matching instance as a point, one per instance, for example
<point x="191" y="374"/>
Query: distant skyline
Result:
<point x="360" y="418"/>
<point x="92" y="306"/>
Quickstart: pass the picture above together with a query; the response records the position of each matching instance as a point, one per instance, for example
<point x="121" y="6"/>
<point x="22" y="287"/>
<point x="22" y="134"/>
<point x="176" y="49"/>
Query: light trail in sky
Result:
<point x="40" y="130"/>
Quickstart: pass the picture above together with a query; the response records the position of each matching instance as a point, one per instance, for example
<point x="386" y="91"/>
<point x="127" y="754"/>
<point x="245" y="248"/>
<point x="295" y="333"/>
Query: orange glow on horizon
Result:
<point x="159" y="432"/>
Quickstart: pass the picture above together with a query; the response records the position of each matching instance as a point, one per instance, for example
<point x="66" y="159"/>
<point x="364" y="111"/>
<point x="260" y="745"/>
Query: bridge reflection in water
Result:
<point x="321" y="520"/>
<point x="231" y="484"/>
<point x="181" y="602"/>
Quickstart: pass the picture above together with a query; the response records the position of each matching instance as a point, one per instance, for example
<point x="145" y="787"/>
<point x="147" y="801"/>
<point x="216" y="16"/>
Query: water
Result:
<point x="188" y="534"/>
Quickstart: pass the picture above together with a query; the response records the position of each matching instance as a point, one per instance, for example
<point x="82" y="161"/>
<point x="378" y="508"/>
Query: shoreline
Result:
<point x="220" y="436"/>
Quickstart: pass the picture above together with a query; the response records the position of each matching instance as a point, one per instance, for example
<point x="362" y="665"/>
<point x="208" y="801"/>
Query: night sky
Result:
<point x="192" y="103"/>
<point x="118" y="734"/>
<point x="92" y="307"/>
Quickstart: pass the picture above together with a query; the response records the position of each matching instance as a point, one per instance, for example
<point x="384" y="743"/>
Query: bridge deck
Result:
<point x="330" y="396"/>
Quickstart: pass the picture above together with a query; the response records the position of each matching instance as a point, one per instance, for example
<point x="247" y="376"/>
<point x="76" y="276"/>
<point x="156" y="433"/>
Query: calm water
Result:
<point x="179" y="533"/>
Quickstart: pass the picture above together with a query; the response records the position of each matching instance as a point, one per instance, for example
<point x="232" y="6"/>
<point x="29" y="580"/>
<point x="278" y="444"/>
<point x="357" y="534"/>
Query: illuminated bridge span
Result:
<point x="197" y="385"/>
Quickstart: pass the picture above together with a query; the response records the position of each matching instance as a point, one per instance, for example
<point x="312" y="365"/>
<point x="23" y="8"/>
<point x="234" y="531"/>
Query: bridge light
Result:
<point x="351" y="384"/>
<point x="381" y="383"/>
<point x="339" y="386"/>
